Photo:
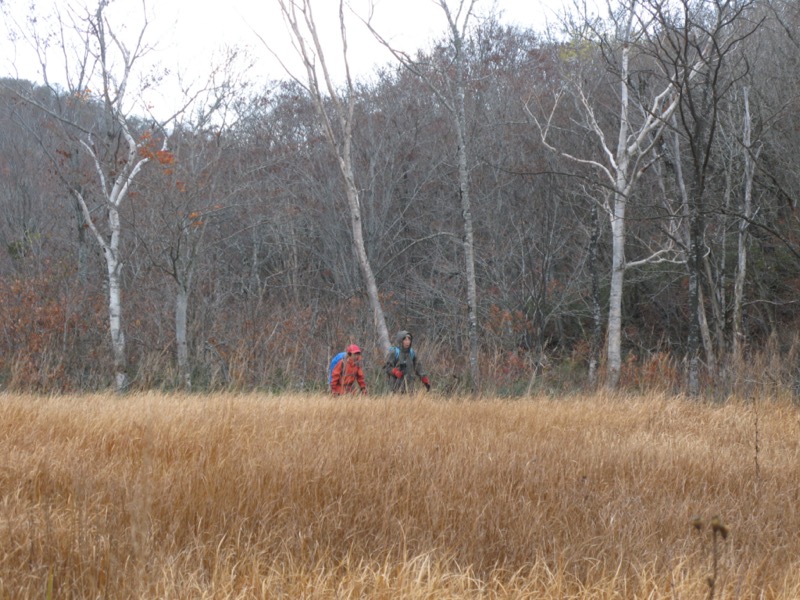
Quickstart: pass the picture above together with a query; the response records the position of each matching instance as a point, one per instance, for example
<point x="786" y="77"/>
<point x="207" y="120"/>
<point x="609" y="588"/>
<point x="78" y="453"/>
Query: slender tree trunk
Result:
<point x="597" y="319"/>
<point x="622" y="186"/>
<point x="614" y="333"/>
<point x="713" y="345"/>
<point x="705" y="331"/>
<point x="115" y="320"/>
<point x="378" y="317"/>
<point x="693" y="342"/>
<point x="83" y="250"/>
<point x="181" y="338"/>
<point x="466" y="213"/>
<point x="741" y="254"/>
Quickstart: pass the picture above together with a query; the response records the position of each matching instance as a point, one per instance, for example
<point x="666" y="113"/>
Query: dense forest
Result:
<point x="611" y="203"/>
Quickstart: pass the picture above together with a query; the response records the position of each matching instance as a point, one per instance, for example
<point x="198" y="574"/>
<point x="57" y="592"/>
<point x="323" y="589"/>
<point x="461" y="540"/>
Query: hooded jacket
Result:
<point x="405" y="361"/>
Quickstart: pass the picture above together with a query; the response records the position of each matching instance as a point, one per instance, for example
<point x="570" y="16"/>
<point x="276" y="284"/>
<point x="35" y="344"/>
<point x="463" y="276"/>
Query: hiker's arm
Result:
<point x="361" y="382"/>
<point x="389" y="366"/>
<point x="421" y="374"/>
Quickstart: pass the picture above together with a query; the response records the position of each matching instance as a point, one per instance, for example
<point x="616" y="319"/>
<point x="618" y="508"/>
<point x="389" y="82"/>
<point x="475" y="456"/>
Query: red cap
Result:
<point x="353" y="349"/>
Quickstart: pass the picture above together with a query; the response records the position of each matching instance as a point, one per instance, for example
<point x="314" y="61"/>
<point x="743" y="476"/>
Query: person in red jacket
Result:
<point x="348" y="372"/>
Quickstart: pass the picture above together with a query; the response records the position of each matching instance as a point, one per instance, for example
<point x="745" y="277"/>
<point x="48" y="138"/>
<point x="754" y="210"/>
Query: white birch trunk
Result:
<point x="115" y="320"/>
<point x="617" y="216"/>
<point x="110" y="248"/>
<point x="378" y="317"/>
<point x="469" y="267"/>
<point x="614" y="330"/>
<point x="744" y="223"/>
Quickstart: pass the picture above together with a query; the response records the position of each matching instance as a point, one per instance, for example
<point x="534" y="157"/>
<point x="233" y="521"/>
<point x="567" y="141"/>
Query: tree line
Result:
<point x="608" y="203"/>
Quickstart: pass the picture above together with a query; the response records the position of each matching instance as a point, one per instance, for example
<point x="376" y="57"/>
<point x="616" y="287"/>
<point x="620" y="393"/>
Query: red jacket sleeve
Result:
<point x="360" y="378"/>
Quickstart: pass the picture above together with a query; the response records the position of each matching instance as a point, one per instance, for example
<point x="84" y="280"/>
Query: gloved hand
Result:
<point x="427" y="383"/>
<point x="397" y="373"/>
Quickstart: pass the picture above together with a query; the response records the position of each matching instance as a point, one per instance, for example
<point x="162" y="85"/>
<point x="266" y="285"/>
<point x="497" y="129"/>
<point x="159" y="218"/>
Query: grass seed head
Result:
<point x="718" y="527"/>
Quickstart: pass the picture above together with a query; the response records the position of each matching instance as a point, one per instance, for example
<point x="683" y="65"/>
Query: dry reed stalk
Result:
<point x="242" y="496"/>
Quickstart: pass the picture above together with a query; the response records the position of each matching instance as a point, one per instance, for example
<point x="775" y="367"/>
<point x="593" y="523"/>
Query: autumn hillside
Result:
<point x="611" y="203"/>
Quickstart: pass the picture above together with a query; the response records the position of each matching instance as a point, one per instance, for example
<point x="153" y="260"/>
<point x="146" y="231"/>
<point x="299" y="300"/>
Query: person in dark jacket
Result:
<point x="348" y="376"/>
<point x="403" y="365"/>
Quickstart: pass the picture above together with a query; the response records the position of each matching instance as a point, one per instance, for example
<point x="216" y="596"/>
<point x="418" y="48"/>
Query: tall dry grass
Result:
<point x="247" y="496"/>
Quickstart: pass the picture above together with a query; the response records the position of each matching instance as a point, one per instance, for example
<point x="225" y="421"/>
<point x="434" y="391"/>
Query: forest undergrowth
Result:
<point x="306" y="496"/>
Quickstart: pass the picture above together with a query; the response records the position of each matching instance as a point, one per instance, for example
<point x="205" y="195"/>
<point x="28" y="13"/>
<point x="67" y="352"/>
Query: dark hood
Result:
<point x="401" y="335"/>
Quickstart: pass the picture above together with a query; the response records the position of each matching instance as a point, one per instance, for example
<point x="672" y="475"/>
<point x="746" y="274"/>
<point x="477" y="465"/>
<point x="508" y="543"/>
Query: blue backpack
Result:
<point x="396" y="351"/>
<point x="335" y="361"/>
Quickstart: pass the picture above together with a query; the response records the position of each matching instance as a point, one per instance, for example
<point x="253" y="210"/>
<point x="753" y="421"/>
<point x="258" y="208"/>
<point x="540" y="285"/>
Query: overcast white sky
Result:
<point x="408" y="23"/>
<point x="190" y="34"/>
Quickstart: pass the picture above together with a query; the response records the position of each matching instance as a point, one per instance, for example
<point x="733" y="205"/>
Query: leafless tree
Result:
<point x="640" y="123"/>
<point x="100" y="69"/>
<point x="336" y="113"/>
<point x="448" y="82"/>
<point x="699" y="45"/>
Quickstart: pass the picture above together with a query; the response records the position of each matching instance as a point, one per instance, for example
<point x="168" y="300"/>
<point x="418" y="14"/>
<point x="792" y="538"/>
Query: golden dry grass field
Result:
<point x="256" y="496"/>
